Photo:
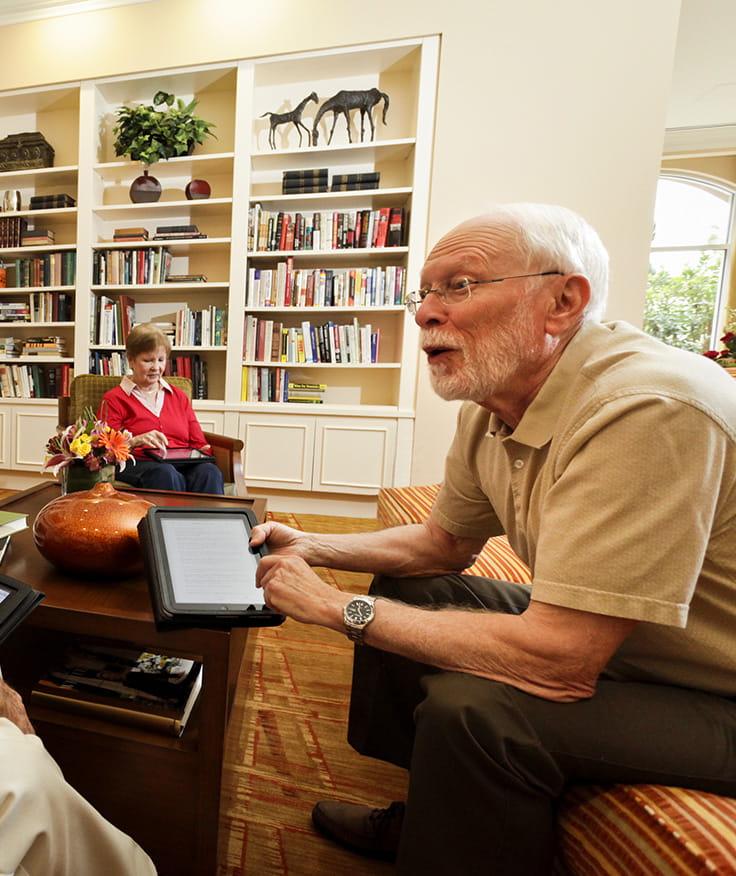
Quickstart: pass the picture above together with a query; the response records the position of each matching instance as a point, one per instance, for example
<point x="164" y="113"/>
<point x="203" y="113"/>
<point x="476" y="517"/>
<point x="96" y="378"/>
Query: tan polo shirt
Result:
<point x="618" y="488"/>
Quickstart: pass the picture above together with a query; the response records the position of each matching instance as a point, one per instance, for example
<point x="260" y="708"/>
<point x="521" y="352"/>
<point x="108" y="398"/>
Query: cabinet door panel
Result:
<point x="278" y="451"/>
<point x="354" y="456"/>
<point x="32" y="430"/>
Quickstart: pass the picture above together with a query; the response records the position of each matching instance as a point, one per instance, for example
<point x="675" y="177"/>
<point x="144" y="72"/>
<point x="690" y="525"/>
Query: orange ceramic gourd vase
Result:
<point x="94" y="532"/>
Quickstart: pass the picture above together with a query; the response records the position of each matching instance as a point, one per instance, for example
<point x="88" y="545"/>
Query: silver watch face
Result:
<point x="358" y="611"/>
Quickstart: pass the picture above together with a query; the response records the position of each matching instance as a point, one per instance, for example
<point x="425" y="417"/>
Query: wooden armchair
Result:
<point x="86" y="390"/>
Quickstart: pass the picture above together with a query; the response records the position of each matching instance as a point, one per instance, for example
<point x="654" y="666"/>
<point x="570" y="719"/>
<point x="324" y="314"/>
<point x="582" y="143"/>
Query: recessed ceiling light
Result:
<point x="16" y="11"/>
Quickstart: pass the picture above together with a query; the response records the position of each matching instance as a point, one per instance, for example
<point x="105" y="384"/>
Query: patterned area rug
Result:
<point x="288" y="747"/>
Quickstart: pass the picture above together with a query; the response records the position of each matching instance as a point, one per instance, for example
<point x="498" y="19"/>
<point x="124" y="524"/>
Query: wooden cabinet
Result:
<point x="374" y="378"/>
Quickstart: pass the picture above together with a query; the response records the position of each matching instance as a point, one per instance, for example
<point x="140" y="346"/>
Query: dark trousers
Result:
<point x="200" y="477"/>
<point x="487" y="762"/>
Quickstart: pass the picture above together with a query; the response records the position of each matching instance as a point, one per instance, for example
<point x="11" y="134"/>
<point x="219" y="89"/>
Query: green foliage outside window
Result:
<point x="679" y="309"/>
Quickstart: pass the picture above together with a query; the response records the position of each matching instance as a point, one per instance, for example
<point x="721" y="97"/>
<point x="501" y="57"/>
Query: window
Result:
<point x="688" y="264"/>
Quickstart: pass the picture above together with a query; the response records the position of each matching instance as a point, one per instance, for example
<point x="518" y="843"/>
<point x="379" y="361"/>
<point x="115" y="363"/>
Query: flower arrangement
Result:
<point x="90" y="441"/>
<point x="727" y="356"/>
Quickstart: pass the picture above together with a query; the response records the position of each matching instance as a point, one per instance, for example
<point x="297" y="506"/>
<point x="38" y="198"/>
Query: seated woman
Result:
<point x="159" y="416"/>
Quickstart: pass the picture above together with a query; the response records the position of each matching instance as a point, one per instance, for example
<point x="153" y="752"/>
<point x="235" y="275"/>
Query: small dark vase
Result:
<point x="197" y="189"/>
<point x="145" y="189"/>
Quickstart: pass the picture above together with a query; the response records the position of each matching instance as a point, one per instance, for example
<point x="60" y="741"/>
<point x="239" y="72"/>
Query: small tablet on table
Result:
<point x="201" y="568"/>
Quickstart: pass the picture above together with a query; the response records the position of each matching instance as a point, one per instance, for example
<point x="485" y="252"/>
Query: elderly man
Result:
<point x="46" y="828"/>
<point x="609" y="460"/>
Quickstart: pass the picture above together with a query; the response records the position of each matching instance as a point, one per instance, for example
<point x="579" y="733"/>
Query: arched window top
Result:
<point x="691" y="212"/>
<point x="687" y="292"/>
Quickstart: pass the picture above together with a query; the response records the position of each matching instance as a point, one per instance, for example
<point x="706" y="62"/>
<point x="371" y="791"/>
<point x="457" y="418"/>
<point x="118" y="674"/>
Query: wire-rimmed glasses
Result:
<point x="461" y="290"/>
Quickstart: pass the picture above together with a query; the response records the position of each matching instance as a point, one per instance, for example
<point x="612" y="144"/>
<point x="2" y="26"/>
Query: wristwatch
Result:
<point x="357" y="614"/>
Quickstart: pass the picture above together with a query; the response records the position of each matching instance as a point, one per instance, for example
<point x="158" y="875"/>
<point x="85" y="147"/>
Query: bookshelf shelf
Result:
<point x="78" y="120"/>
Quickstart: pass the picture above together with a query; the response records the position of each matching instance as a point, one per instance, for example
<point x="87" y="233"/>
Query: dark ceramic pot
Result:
<point x="197" y="189"/>
<point x="145" y="189"/>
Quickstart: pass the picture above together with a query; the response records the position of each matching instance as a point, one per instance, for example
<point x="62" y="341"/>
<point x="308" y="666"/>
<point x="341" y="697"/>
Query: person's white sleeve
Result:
<point x="46" y="827"/>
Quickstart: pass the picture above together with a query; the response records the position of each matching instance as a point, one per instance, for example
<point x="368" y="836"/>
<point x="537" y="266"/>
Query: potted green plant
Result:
<point x="155" y="132"/>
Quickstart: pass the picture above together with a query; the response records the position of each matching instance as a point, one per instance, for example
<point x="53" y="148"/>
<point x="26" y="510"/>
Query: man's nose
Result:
<point x="431" y="310"/>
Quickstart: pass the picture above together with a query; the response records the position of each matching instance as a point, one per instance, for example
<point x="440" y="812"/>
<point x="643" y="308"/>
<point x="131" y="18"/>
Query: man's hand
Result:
<point x="280" y="539"/>
<point x="12" y="708"/>
<point x="290" y="587"/>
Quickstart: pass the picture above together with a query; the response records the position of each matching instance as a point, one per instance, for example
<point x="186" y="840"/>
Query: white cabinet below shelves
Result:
<point x="319" y="453"/>
<point x="26" y="428"/>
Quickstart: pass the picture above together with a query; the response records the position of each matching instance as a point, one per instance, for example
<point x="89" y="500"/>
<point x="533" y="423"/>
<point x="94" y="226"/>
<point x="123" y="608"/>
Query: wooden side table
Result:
<point x="162" y="790"/>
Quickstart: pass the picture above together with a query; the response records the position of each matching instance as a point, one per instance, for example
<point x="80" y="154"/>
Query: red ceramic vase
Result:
<point x="197" y="189"/>
<point x="94" y="532"/>
<point x="145" y="189"/>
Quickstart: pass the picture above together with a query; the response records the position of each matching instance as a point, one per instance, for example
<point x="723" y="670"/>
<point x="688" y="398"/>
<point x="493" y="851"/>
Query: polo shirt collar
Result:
<point x="538" y="423"/>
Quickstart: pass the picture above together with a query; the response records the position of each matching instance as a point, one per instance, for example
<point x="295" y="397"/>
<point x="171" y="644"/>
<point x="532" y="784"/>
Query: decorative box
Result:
<point x="24" y="151"/>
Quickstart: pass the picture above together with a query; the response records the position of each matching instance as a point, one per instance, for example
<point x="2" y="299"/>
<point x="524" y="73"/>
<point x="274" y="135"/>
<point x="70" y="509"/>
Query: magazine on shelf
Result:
<point x="128" y="685"/>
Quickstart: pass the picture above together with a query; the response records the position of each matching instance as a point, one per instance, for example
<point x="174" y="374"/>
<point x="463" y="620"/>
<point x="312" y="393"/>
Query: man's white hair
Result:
<point x="550" y="237"/>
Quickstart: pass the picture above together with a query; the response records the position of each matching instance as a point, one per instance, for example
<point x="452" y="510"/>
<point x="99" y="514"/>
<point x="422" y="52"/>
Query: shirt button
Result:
<point x="518" y="463"/>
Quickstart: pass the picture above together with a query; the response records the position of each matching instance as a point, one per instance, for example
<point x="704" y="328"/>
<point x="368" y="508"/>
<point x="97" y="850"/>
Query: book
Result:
<point x="51" y="202"/>
<point x="137" y="233"/>
<point x="395" y="227"/>
<point x="11" y="522"/>
<point x="174" y="229"/>
<point x="313" y="175"/>
<point x="345" y="182"/>
<point x="128" y="685"/>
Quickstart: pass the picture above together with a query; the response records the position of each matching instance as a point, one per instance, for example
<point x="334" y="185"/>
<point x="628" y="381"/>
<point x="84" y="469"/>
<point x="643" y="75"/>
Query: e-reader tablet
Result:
<point x="17" y="601"/>
<point x="180" y="455"/>
<point x="201" y="568"/>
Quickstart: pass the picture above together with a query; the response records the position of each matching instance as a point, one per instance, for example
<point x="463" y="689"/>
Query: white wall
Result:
<point x="549" y="101"/>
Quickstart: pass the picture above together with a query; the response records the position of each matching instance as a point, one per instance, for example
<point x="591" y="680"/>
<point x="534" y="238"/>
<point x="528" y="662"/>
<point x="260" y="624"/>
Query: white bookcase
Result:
<point x="360" y="437"/>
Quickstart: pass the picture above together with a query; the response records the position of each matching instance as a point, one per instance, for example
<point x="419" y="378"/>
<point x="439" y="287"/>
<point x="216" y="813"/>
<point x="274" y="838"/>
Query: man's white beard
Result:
<point x="490" y="360"/>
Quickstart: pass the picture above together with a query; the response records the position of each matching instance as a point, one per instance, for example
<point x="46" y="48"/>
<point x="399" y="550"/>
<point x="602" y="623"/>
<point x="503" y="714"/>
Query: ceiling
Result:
<point x="16" y="11"/>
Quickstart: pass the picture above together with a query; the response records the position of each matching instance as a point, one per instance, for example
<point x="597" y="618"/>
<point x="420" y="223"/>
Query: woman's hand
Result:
<point x="154" y="438"/>
<point x="12" y="708"/>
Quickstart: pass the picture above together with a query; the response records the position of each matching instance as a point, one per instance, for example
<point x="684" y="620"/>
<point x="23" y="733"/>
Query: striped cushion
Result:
<point x="399" y="505"/>
<point x="645" y="830"/>
<point x="624" y="830"/>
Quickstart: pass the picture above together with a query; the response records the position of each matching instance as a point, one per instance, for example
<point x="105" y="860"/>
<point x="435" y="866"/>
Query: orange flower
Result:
<point x="116" y="442"/>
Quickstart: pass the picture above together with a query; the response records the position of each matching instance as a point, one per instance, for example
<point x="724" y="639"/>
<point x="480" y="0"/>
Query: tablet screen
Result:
<point x="4" y="593"/>
<point x="210" y="562"/>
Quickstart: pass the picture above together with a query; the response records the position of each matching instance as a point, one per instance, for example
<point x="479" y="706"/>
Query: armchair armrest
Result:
<point x="228" y="455"/>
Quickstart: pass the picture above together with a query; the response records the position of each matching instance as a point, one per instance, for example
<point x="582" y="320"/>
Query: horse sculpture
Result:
<point x="341" y="104"/>
<point x="295" y="117"/>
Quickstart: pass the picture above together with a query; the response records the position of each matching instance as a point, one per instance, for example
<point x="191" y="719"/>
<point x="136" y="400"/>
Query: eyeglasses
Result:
<point x="461" y="290"/>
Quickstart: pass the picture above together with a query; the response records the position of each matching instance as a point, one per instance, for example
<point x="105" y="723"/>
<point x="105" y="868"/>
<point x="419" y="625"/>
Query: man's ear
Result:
<point x="567" y="304"/>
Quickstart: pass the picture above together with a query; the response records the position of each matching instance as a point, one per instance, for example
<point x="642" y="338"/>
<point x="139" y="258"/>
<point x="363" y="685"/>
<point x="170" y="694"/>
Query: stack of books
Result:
<point x="177" y="232"/>
<point x="304" y="182"/>
<point x="186" y="278"/>
<point x="129" y="234"/>
<point x="11" y="347"/>
<point x="305" y="393"/>
<point x="50" y="346"/>
<point x="37" y="236"/>
<point x="15" y="311"/>
<point x="51" y="202"/>
<point x="122" y="685"/>
<point x="351" y="182"/>
<point x="11" y="231"/>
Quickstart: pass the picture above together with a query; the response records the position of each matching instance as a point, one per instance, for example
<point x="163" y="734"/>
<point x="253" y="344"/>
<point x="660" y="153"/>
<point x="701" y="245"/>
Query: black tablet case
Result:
<point x="154" y="558"/>
<point x="16" y="607"/>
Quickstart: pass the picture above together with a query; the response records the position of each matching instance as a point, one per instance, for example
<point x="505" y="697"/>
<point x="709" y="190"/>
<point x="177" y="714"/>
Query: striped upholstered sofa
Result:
<point x="619" y="830"/>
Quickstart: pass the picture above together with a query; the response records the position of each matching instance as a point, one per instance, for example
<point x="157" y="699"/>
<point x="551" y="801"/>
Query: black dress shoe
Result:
<point x="371" y="832"/>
